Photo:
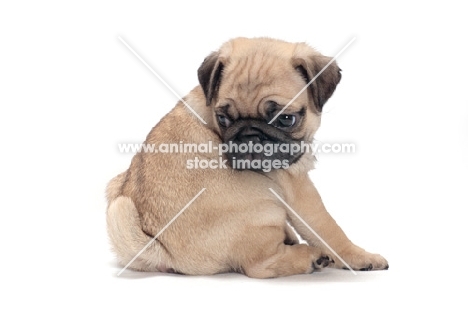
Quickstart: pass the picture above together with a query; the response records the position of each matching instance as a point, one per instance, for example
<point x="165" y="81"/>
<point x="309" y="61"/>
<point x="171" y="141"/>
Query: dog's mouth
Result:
<point x="253" y="149"/>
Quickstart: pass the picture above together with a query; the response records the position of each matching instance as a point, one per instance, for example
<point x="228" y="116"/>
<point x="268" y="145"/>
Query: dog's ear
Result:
<point x="325" y="84"/>
<point x="209" y="76"/>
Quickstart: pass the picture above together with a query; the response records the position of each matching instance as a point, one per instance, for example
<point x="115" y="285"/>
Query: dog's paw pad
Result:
<point x="322" y="262"/>
<point x="368" y="268"/>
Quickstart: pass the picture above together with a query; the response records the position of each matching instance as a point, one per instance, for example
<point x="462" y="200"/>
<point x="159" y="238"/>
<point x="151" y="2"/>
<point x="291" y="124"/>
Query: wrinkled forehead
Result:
<point x="251" y="78"/>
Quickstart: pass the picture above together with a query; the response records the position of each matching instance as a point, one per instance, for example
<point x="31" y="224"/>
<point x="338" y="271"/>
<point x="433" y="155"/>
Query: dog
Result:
<point x="237" y="224"/>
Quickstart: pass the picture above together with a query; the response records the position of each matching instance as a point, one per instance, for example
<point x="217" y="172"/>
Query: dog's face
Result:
<point x="248" y="82"/>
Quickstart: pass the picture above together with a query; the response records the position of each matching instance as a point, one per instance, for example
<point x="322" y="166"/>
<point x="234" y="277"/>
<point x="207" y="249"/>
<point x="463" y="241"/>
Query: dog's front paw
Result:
<point x="358" y="259"/>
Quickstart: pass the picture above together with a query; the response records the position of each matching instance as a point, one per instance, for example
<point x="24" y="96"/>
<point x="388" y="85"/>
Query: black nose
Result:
<point x="251" y="134"/>
<point x="251" y="138"/>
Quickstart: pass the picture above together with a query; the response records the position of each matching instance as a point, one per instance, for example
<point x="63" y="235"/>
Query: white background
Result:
<point x="70" y="92"/>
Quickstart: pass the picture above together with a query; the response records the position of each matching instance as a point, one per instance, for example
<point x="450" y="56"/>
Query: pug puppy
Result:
<point x="237" y="223"/>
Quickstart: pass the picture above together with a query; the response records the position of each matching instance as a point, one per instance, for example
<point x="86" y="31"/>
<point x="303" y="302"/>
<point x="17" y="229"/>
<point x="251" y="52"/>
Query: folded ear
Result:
<point x="325" y="83"/>
<point x="209" y="76"/>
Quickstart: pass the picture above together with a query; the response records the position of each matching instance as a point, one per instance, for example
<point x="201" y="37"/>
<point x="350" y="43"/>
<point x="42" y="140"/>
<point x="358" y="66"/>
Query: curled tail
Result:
<point x="126" y="235"/>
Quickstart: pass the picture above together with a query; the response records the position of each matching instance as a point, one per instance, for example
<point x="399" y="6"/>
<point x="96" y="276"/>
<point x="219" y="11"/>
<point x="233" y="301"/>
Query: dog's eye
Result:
<point x="223" y="120"/>
<point x="286" y="120"/>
